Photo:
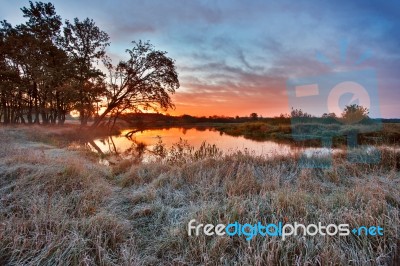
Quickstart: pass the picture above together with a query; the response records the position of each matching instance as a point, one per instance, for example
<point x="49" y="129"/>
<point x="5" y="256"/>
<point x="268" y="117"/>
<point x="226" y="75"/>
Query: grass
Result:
<point x="308" y="133"/>
<point x="257" y="130"/>
<point x="59" y="206"/>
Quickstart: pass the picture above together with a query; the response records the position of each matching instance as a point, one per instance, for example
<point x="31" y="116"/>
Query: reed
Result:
<point x="59" y="206"/>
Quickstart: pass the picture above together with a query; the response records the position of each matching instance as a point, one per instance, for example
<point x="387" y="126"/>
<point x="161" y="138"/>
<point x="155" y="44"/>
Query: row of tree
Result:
<point x="49" y="67"/>
<point x="352" y="113"/>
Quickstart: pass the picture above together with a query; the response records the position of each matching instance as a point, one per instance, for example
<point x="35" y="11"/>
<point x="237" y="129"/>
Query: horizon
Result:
<point x="199" y="132"/>
<point x="234" y="59"/>
<point x="260" y="116"/>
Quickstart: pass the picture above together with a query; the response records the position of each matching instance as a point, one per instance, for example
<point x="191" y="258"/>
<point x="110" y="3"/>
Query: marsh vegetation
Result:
<point x="59" y="206"/>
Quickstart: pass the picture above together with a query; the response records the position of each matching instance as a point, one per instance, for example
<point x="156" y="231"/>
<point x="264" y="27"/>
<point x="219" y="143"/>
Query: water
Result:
<point x="147" y="139"/>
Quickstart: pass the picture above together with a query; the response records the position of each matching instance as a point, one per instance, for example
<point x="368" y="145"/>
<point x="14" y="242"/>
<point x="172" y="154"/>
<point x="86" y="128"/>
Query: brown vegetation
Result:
<point x="59" y="206"/>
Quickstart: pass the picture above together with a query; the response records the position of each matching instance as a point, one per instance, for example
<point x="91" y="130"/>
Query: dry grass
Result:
<point x="58" y="207"/>
<point x="52" y="208"/>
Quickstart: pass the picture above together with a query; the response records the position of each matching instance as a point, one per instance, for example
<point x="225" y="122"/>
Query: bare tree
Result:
<point x="144" y="82"/>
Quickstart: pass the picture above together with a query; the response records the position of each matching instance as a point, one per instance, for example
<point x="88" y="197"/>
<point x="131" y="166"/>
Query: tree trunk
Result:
<point x="99" y="119"/>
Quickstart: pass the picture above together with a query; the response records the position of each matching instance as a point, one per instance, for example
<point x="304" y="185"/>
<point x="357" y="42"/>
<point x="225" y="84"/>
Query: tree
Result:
<point x="254" y="116"/>
<point x="38" y="66"/>
<point x="298" y="113"/>
<point x="44" y="73"/>
<point x="46" y="64"/>
<point x="85" y="43"/>
<point x="354" y="113"/>
<point x="9" y="75"/>
<point x="328" y="115"/>
<point x="143" y="82"/>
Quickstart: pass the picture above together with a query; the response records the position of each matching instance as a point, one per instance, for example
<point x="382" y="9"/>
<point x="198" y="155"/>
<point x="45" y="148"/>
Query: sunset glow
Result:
<point x="235" y="58"/>
<point x="207" y="132"/>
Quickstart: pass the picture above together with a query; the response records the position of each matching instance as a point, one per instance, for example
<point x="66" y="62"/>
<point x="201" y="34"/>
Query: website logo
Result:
<point x="329" y="95"/>
<point x="280" y="229"/>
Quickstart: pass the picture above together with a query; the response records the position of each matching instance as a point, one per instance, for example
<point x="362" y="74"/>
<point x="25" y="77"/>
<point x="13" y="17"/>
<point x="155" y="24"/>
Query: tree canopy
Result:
<point x="49" y="67"/>
<point x="354" y="113"/>
<point x="142" y="82"/>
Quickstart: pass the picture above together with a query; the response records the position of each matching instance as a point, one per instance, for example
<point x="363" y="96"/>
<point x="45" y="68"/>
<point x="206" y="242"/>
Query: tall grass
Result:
<point x="52" y="208"/>
<point x="58" y="207"/>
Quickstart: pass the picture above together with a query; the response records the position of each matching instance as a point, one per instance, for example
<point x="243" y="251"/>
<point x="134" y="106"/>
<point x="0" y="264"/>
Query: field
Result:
<point x="59" y="206"/>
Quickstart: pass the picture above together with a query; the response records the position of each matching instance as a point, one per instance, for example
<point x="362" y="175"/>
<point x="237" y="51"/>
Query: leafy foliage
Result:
<point x="48" y="68"/>
<point x="354" y="113"/>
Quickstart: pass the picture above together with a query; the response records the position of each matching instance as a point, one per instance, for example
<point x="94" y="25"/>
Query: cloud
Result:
<point x="240" y="53"/>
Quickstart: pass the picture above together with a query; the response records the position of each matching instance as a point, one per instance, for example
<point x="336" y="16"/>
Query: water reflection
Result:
<point x="141" y="142"/>
<point x="140" y="145"/>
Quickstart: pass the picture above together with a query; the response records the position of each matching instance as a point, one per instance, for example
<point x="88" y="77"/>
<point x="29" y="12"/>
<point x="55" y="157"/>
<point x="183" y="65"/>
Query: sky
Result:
<point x="239" y="57"/>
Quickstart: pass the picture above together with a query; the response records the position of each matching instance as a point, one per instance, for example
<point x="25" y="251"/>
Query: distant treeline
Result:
<point x="155" y="119"/>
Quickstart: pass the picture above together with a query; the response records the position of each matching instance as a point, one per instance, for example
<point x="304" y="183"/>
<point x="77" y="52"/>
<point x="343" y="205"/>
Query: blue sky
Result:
<point x="234" y="57"/>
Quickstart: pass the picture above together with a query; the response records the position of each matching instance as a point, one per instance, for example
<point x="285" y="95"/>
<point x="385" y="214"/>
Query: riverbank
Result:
<point x="58" y="205"/>
<point x="310" y="134"/>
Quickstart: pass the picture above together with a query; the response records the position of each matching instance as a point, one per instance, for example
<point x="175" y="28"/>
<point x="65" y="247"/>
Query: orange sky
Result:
<point x="234" y="57"/>
<point x="208" y="104"/>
